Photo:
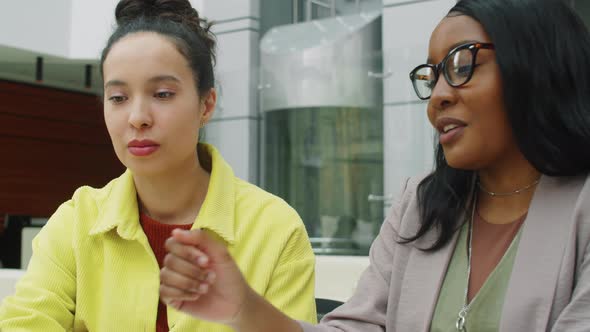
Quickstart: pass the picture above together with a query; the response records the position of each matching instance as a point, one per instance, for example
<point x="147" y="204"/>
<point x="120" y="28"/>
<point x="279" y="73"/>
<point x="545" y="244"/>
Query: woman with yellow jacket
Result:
<point x="96" y="264"/>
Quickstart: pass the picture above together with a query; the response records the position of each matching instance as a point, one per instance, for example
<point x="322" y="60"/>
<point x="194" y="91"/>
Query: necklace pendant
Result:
<point x="460" y="324"/>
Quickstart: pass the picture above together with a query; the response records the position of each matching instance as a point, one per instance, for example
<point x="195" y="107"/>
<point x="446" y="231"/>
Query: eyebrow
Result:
<point x="459" y="43"/>
<point x="155" y="79"/>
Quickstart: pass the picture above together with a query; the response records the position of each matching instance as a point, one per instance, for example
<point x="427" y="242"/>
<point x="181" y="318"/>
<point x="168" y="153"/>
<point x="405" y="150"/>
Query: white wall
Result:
<point x="71" y="29"/>
<point x="91" y="25"/>
<point x="40" y="26"/>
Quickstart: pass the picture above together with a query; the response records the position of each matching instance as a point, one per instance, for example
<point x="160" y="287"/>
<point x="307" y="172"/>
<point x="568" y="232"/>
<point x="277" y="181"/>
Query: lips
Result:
<point x="142" y="148"/>
<point x="450" y="129"/>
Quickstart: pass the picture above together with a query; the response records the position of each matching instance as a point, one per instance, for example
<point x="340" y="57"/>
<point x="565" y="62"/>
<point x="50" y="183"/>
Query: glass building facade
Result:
<point x="322" y="147"/>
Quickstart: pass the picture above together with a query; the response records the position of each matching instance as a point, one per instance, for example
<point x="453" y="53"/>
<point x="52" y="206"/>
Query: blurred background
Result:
<point x="315" y="106"/>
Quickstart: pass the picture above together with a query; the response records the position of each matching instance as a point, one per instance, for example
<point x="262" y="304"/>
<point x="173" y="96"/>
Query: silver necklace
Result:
<point x="462" y="316"/>
<point x="515" y="192"/>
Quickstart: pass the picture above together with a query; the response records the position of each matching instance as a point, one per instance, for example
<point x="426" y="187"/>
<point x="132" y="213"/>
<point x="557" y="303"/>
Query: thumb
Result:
<point x="204" y="241"/>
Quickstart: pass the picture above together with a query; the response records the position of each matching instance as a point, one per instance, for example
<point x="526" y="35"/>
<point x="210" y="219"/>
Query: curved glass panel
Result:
<point x="326" y="162"/>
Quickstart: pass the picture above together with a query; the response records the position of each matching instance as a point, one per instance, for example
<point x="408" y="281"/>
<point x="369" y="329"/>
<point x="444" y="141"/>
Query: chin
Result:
<point x="462" y="166"/>
<point x="142" y="167"/>
<point x="461" y="161"/>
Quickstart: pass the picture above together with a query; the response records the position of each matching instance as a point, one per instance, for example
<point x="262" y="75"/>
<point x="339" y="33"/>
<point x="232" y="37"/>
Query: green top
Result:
<point x="486" y="310"/>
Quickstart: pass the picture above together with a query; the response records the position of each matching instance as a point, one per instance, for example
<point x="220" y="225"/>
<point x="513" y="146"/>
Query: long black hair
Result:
<point x="543" y="52"/>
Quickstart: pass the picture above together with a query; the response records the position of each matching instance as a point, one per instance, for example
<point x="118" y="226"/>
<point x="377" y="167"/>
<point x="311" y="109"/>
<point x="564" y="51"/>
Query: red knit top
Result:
<point x="157" y="234"/>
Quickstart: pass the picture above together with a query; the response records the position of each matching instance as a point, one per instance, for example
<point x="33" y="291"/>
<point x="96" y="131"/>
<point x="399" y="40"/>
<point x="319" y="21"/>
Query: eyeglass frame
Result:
<point x="474" y="47"/>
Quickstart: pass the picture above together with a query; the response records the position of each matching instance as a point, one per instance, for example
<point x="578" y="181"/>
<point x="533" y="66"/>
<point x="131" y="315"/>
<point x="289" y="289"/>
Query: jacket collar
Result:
<point x="118" y="207"/>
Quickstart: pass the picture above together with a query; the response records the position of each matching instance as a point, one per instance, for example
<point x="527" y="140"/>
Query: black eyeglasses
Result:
<point x="457" y="68"/>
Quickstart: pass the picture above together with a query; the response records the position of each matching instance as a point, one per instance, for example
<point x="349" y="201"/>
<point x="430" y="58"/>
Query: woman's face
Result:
<point x="483" y="135"/>
<point x="152" y="108"/>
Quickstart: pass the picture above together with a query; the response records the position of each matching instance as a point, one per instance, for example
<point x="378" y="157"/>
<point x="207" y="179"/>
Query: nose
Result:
<point x="140" y="115"/>
<point x="443" y="95"/>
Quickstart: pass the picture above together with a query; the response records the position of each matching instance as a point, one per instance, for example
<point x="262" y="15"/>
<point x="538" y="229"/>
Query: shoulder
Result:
<point x="252" y="200"/>
<point x="585" y="194"/>
<point x="271" y="223"/>
<point x="268" y="220"/>
<point x="582" y="209"/>
<point x="406" y="201"/>
<point x="563" y="190"/>
<point x="404" y="218"/>
<point x="93" y="198"/>
<point x="82" y="211"/>
<point x="72" y="219"/>
<point x="583" y="204"/>
<point x="409" y="190"/>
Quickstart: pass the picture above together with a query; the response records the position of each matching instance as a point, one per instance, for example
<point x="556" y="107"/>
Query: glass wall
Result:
<point x="326" y="162"/>
<point x="281" y="12"/>
<point x="321" y="94"/>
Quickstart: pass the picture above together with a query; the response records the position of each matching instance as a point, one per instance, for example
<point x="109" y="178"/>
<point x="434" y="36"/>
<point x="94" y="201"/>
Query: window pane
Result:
<point x="326" y="162"/>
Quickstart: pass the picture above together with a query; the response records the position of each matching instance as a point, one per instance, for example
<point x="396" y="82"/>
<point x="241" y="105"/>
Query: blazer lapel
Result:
<point x="530" y="293"/>
<point x="424" y="275"/>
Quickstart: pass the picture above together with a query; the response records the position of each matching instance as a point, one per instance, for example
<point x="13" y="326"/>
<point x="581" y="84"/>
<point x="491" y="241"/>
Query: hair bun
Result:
<point x="130" y="10"/>
<point x="180" y="11"/>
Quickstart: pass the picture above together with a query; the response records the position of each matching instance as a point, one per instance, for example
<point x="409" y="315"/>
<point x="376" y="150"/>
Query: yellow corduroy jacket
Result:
<point x="92" y="267"/>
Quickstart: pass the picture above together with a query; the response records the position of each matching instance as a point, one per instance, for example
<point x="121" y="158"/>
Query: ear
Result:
<point x="208" y="106"/>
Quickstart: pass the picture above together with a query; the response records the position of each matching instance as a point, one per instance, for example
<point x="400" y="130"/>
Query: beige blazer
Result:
<point x="549" y="288"/>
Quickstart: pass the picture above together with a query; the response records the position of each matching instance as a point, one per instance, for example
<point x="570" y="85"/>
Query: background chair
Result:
<point x="325" y="306"/>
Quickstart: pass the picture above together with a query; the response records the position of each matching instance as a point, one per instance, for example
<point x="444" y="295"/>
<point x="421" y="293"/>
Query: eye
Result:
<point x="430" y="84"/>
<point x="164" y="94"/>
<point x="463" y="70"/>
<point x="117" y="99"/>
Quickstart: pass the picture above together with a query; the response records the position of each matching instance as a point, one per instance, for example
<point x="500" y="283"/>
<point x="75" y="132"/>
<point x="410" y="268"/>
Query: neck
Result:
<point x="174" y="197"/>
<point x="506" y="177"/>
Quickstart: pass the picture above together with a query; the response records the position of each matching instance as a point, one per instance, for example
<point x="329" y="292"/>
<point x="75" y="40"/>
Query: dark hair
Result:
<point x="178" y="21"/>
<point x="543" y="52"/>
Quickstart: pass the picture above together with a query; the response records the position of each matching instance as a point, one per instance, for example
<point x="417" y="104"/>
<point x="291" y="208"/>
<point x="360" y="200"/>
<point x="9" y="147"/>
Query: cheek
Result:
<point x="108" y="121"/>
<point x="489" y="87"/>
<point x="113" y="123"/>
<point x="183" y="119"/>
<point x="184" y="127"/>
<point x="492" y="113"/>
<point x="492" y="130"/>
<point x="430" y="112"/>
<point x="498" y="128"/>
<point x="486" y="102"/>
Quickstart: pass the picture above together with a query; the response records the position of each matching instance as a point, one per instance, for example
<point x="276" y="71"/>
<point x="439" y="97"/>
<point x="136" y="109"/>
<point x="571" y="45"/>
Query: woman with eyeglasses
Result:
<point x="497" y="237"/>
